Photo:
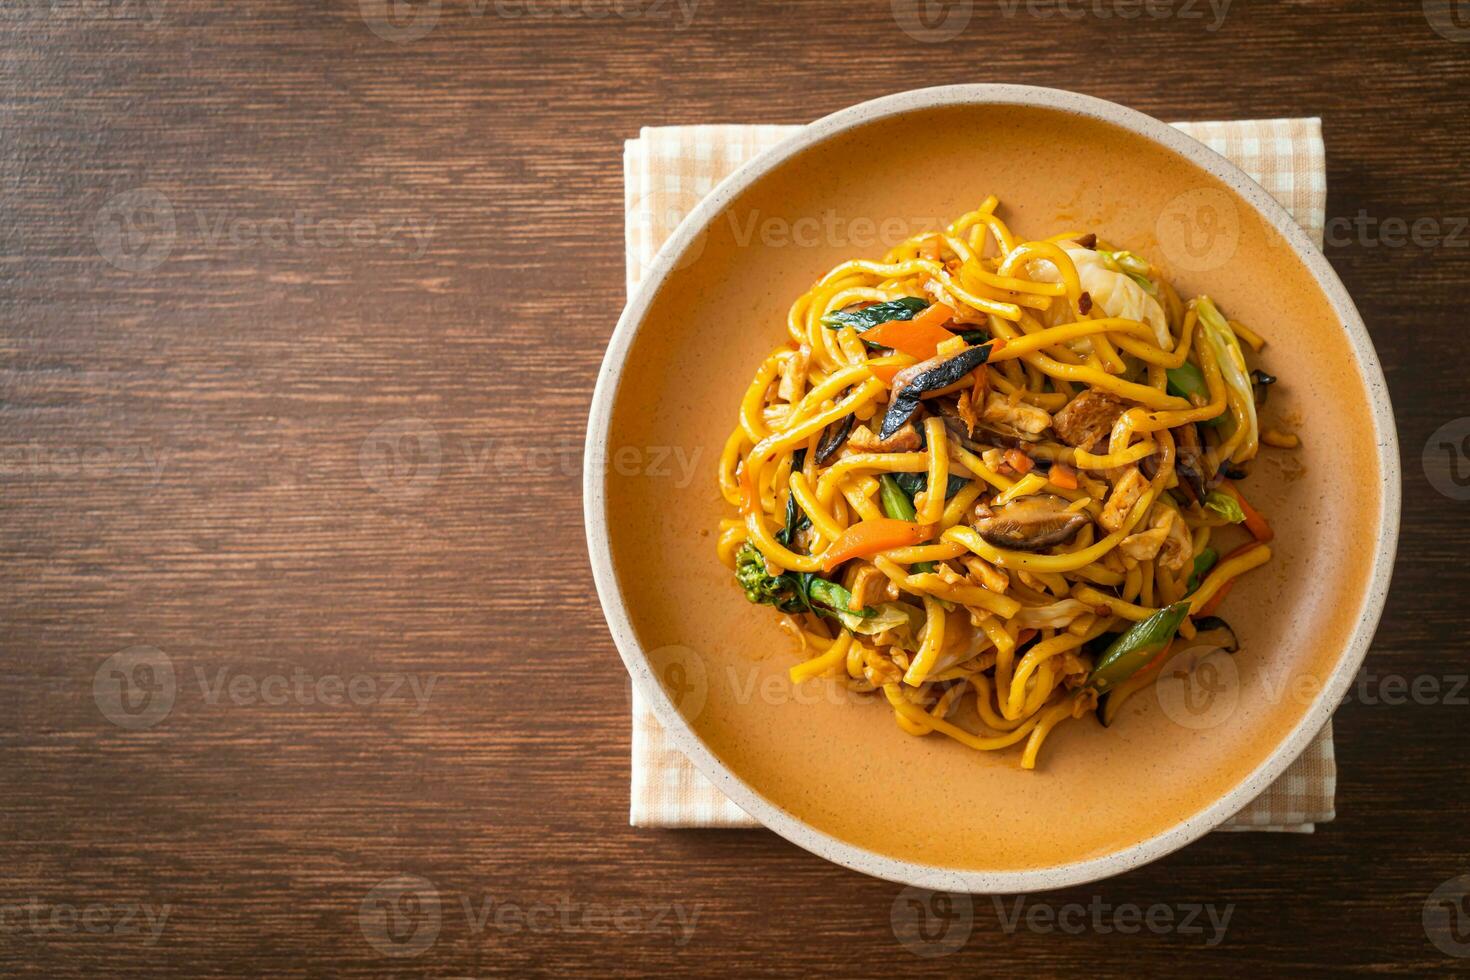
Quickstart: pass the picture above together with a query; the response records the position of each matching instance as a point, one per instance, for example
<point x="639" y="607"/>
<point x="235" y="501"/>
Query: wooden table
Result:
<point x="290" y="288"/>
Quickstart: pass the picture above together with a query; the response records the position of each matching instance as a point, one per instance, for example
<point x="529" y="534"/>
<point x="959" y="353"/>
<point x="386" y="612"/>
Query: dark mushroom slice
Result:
<point x="1213" y="629"/>
<point x="1261" y="383"/>
<point x="935" y="374"/>
<point x="1030" y="523"/>
<point x="833" y="438"/>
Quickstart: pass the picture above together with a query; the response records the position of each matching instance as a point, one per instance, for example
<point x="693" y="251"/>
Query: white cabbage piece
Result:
<point x="1231" y="358"/>
<point x="1115" y="293"/>
<point x="901" y="617"/>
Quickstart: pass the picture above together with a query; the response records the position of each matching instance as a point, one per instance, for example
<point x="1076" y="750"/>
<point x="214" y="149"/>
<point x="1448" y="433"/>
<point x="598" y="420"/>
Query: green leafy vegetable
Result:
<point x="1133" y="267"/>
<point x="1225" y="505"/>
<point x="794" y="592"/>
<point x="869" y="317"/>
<point x="796" y="518"/>
<point x="897" y="504"/>
<point x="1137" y="647"/>
<point x="761" y="587"/>
<point x="913" y="483"/>
<point x="1203" y="562"/>
<point x="1186" y="381"/>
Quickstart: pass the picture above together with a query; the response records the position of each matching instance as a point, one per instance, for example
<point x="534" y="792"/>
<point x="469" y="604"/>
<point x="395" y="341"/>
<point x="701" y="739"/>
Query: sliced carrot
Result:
<point x="1063" y="476"/>
<point x="982" y="385"/>
<point x="1215" y="600"/>
<point x="1157" y="661"/>
<point x="872" y="536"/>
<point x="1219" y="597"/>
<point x="1254" y="522"/>
<point x="1019" y="461"/>
<point x="920" y="336"/>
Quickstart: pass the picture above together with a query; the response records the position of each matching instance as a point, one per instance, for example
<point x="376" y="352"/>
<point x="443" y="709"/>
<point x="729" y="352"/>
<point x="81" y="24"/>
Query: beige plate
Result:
<point x="830" y="771"/>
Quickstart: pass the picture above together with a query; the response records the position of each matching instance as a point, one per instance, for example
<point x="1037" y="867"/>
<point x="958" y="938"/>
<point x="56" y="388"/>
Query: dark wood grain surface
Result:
<point x="251" y="248"/>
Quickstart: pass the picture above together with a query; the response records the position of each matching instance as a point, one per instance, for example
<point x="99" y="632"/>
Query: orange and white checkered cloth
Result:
<point x="667" y="171"/>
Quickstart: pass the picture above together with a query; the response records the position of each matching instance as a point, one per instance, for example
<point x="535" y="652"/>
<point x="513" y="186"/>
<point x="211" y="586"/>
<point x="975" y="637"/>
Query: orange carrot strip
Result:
<point x="872" y="536"/>
<point x="1063" y="476"/>
<point x="920" y="336"/>
<point x="1019" y="461"/>
<point x="1215" y="600"/>
<point x="982" y="385"/>
<point x="1254" y="522"/>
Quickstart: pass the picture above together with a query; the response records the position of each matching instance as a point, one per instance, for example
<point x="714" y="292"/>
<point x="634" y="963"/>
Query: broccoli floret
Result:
<point x="761" y="586"/>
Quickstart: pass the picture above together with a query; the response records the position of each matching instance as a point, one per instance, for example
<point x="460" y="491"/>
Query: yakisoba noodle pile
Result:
<point x="984" y="478"/>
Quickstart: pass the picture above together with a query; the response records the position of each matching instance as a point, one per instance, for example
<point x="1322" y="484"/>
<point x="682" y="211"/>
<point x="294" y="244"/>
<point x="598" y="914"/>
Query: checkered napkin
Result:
<point x="666" y="171"/>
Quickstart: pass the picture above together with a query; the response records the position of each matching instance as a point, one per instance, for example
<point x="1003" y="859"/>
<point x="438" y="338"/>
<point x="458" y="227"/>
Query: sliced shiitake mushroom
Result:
<point x="935" y="374"/>
<point x="1030" y="523"/>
